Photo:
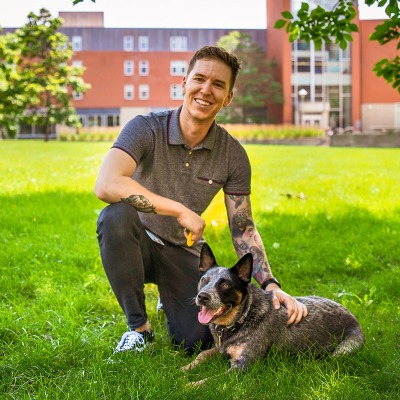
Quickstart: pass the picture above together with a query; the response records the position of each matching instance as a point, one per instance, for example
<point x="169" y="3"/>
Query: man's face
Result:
<point x="206" y="89"/>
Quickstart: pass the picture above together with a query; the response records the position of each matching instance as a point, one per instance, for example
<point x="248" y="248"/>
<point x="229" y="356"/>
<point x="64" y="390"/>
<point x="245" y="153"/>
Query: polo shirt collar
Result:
<point x="175" y="134"/>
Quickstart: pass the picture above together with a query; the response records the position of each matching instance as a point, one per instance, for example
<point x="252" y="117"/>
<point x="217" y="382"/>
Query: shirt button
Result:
<point x="210" y="181"/>
<point x="187" y="164"/>
<point x="190" y="153"/>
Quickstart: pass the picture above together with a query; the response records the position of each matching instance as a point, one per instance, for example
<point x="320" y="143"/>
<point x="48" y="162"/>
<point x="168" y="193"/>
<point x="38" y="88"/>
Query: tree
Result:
<point x="337" y="25"/>
<point x="255" y="86"/>
<point x="12" y="96"/>
<point x="38" y="83"/>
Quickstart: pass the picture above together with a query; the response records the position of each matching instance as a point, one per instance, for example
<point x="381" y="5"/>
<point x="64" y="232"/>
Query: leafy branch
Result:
<point x="336" y="25"/>
<point x="319" y="24"/>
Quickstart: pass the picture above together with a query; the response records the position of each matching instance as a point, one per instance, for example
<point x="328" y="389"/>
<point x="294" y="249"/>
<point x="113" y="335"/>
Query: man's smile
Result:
<point x="202" y="102"/>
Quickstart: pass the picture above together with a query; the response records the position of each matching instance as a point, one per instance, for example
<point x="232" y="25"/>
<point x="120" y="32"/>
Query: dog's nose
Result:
<point x="203" y="297"/>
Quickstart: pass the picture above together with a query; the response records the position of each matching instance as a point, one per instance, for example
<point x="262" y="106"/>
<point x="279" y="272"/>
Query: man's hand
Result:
<point x="191" y="222"/>
<point x="296" y="310"/>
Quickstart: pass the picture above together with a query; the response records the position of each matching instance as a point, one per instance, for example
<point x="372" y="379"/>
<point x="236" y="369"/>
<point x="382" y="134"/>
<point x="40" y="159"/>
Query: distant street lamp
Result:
<point x="302" y="93"/>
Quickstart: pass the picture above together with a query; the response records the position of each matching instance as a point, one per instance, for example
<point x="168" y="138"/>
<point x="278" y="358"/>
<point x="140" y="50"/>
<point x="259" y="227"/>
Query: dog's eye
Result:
<point x="204" y="280"/>
<point x="225" y="285"/>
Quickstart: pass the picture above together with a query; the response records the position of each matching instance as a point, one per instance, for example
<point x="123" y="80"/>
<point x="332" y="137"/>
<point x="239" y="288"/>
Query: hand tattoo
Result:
<point x="140" y="203"/>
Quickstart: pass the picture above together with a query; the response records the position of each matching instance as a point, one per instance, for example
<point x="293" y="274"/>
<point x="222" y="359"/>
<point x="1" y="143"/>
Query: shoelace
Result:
<point x="131" y="339"/>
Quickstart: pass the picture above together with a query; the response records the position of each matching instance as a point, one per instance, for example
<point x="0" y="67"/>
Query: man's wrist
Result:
<point x="270" y="282"/>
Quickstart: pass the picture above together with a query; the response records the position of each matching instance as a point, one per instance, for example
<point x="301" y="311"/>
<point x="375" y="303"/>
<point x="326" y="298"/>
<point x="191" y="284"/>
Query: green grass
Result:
<point x="330" y="220"/>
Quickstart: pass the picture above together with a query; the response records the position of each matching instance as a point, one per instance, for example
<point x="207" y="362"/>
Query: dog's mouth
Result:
<point x="207" y="315"/>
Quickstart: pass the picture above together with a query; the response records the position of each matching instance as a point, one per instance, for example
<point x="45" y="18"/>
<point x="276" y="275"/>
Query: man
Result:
<point x="158" y="178"/>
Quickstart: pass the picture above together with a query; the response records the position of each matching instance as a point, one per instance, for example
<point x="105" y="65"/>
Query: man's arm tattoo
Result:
<point x="140" y="203"/>
<point x="246" y="239"/>
<point x="238" y="200"/>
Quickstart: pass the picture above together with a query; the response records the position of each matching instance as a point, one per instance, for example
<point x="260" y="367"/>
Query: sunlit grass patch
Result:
<point x="330" y="221"/>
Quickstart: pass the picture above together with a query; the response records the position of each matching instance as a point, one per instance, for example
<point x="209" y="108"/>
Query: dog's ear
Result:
<point x="244" y="268"/>
<point x="207" y="259"/>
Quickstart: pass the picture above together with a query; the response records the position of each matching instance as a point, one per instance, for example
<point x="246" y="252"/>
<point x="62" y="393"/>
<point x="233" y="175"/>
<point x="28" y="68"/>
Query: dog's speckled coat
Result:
<point x="245" y="325"/>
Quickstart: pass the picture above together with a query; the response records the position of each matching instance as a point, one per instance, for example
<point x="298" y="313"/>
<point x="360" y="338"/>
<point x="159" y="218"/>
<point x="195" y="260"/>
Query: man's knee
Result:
<point x="118" y="220"/>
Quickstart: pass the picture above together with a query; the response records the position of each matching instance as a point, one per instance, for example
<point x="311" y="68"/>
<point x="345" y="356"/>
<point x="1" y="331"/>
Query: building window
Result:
<point x="318" y="65"/>
<point x="333" y="96"/>
<point x="176" y="92"/>
<point x="77" y="96"/>
<point x="144" y="92"/>
<point x="128" y="68"/>
<point x="143" y="43"/>
<point x="76" y="43"/>
<point x="128" y="92"/>
<point x="143" y="68"/>
<point x="96" y="120"/>
<point x="178" y="68"/>
<point x="128" y="43"/>
<point x="178" y="43"/>
<point x="303" y="64"/>
<point x="112" y="120"/>
<point x="93" y="120"/>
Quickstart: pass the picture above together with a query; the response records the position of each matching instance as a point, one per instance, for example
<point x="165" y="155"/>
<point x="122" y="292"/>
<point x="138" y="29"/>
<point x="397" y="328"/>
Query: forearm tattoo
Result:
<point x="246" y="239"/>
<point x="140" y="203"/>
<point x="238" y="200"/>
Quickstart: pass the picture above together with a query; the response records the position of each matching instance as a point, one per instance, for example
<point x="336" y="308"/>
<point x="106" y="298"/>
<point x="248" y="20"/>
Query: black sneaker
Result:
<point x="134" y="341"/>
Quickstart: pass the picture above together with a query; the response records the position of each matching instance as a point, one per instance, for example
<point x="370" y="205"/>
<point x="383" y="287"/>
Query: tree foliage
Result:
<point x="255" y="86"/>
<point x="36" y="80"/>
<point x="318" y="24"/>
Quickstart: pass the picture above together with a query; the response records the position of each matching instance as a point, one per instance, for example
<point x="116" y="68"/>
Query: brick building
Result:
<point x="332" y="87"/>
<point x="133" y="70"/>
<point x="138" y="70"/>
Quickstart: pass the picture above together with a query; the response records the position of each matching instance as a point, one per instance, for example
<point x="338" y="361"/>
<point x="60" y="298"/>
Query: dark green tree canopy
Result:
<point x="255" y="86"/>
<point x="36" y="80"/>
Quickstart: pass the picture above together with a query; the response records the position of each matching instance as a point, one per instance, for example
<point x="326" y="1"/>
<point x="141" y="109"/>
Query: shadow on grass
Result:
<point x="351" y="248"/>
<point x="305" y="251"/>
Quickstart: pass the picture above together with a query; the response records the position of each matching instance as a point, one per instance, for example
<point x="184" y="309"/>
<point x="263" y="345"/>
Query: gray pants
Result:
<point x="131" y="259"/>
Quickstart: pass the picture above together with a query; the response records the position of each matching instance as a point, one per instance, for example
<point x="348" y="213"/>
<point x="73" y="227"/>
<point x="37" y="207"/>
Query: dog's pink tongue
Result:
<point x="205" y="315"/>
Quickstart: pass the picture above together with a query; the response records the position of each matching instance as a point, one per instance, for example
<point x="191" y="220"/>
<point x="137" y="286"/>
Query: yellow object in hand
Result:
<point x="189" y="240"/>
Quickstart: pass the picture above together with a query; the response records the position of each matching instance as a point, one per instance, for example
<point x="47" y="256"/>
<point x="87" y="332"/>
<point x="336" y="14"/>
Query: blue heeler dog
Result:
<point x="245" y="325"/>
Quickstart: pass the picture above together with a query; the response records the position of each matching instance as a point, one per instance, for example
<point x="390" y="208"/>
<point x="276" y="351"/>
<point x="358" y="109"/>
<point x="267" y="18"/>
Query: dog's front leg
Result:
<point x="239" y="357"/>
<point x="200" y="358"/>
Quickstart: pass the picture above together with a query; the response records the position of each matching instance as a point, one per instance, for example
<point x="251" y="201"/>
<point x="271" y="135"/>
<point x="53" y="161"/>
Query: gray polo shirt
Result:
<point x="168" y="167"/>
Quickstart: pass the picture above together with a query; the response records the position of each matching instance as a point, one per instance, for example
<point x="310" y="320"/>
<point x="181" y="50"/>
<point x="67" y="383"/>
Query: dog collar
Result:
<point x="219" y="329"/>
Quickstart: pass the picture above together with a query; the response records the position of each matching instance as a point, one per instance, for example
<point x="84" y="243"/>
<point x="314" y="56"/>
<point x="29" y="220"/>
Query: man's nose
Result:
<point x="206" y="87"/>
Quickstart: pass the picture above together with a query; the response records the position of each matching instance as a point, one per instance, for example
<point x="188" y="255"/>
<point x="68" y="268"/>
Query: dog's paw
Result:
<point x="195" y="385"/>
<point x="185" y="368"/>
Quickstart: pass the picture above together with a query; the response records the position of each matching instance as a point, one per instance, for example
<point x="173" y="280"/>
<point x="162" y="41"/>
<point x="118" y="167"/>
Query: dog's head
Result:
<point x="221" y="290"/>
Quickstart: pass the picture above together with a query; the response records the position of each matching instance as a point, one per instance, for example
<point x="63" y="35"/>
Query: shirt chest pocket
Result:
<point x="204" y="190"/>
<point x="211" y="181"/>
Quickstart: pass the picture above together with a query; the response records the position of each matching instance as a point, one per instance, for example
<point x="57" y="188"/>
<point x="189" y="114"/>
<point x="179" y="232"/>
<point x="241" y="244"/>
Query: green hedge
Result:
<point x="241" y="132"/>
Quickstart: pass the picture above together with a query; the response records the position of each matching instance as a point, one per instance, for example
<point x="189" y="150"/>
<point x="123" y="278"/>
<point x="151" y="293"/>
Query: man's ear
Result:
<point x="228" y="99"/>
<point x="207" y="259"/>
<point x="183" y="85"/>
<point x="244" y="268"/>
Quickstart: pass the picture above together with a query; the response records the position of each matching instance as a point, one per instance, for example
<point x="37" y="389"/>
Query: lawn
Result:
<point x="330" y="220"/>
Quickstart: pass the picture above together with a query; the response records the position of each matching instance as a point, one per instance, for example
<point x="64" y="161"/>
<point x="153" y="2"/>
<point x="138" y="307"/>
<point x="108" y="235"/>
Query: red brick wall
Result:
<point x="375" y="89"/>
<point x="279" y="48"/>
<point x="105" y="72"/>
